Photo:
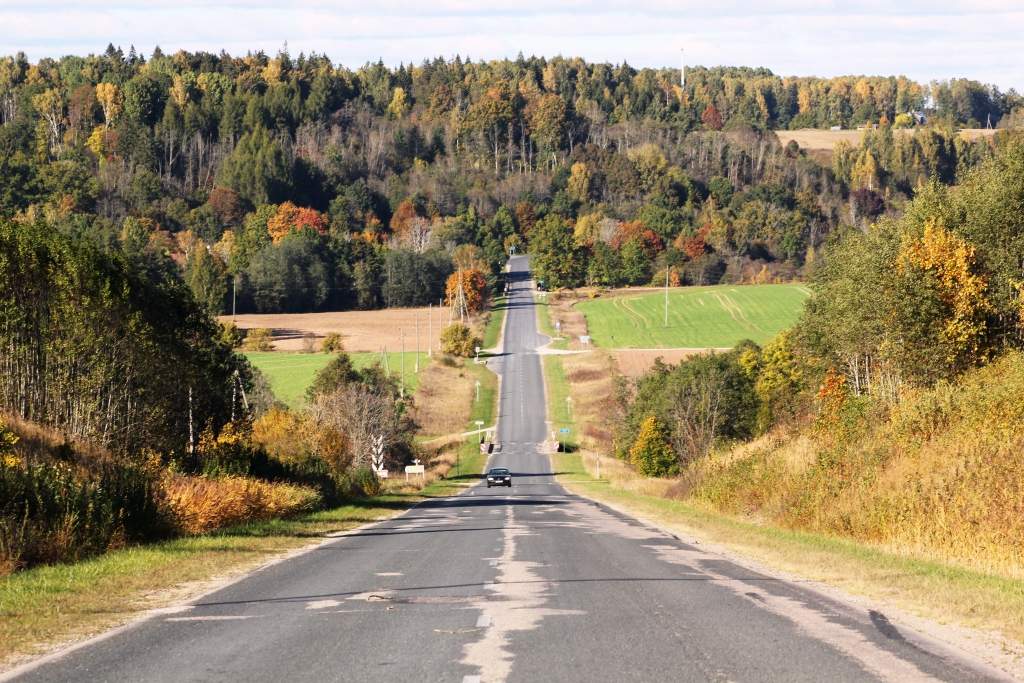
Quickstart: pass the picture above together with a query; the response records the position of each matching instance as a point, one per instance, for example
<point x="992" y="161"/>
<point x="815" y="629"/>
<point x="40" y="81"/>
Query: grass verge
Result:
<point x="933" y="590"/>
<point x="544" y="323"/>
<point x="561" y="412"/>
<point x="492" y="330"/>
<point x="49" y="605"/>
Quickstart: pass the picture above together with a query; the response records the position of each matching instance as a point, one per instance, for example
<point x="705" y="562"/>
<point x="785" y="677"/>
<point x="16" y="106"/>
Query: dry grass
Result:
<point x="200" y="504"/>
<point x="592" y="384"/>
<point x="814" y="139"/>
<point x="940" y="478"/>
<point x="359" y="330"/>
<point x="633" y="363"/>
<point x="443" y="399"/>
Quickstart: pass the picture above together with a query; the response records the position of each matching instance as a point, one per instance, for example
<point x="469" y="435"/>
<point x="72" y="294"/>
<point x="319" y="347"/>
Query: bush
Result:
<point x="309" y="343"/>
<point x="332" y="343"/>
<point x="458" y="340"/>
<point x="201" y="504"/>
<point x="258" y="339"/>
<point x="651" y="454"/>
<point x="363" y="481"/>
<point x="231" y="335"/>
<point x="54" y="513"/>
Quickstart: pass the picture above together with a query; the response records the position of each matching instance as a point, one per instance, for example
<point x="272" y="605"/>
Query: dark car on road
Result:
<point x="499" y="476"/>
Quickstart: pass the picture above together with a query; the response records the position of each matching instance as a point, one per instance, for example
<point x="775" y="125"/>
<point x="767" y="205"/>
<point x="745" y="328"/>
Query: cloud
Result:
<point x="923" y="40"/>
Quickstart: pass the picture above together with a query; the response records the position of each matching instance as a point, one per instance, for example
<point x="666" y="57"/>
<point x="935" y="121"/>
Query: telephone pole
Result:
<point x="666" y="292"/>
<point x="417" y="349"/>
<point x="430" y="332"/>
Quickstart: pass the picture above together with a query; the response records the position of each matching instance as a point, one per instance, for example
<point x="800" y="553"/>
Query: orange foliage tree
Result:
<point x="474" y="288"/>
<point x="291" y="218"/>
<point x="628" y="230"/>
<point x="403" y="217"/>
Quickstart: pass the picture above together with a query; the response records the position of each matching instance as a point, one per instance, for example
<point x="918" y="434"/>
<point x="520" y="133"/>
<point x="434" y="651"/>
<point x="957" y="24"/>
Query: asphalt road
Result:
<point x="522" y="584"/>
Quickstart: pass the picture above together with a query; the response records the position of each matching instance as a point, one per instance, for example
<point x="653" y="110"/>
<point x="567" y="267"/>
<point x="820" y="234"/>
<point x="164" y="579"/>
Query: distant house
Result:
<point x="836" y="128"/>
<point x="919" y="118"/>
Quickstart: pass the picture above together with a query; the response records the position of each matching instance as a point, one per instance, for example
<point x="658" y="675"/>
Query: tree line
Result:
<point x="281" y="183"/>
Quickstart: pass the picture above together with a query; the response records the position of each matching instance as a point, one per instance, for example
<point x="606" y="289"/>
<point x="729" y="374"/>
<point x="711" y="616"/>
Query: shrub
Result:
<point x="309" y="343"/>
<point x="258" y="339"/>
<point x="651" y="454"/>
<point x="458" y="340"/>
<point x="55" y="513"/>
<point x="332" y="343"/>
<point x="231" y="335"/>
<point x="364" y="482"/>
<point x="201" y="504"/>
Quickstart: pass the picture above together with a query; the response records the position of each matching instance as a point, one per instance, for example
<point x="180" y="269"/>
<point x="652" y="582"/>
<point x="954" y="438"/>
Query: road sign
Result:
<point x="564" y="430"/>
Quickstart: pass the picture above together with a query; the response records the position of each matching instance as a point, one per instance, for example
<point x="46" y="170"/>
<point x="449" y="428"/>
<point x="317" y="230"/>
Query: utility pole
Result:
<point x="234" y="294"/>
<point x="682" y="69"/>
<point x="666" y="292"/>
<point x="430" y="332"/>
<point x="417" y="350"/>
<point x="402" y="375"/>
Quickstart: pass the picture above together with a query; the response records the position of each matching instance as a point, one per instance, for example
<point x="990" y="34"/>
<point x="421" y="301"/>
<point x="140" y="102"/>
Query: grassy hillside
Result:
<point x="290" y="373"/>
<point x="699" y="317"/>
<point x="939" y="476"/>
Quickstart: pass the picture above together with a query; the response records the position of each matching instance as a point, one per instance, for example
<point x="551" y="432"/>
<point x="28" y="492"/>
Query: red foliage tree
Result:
<point x="227" y="206"/>
<point x="402" y="217"/>
<point x="711" y="118"/>
<point x="628" y="230"/>
<point x="291" y="218"/>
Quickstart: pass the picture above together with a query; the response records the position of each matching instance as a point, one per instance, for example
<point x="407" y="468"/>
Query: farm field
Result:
<point x="290" y="373"/>
<point x="815" y="139"/>
<point x="699" y="317"/>
<point x="360" y="330"/>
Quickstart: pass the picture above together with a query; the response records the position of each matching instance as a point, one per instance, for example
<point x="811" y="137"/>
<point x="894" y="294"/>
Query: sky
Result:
<point x="925" y="40"/>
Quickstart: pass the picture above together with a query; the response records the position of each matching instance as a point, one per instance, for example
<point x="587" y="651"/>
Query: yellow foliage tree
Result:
<point x="109" y="98"/>
<point x="952" y="263"/>
<point x="579" y="182"/>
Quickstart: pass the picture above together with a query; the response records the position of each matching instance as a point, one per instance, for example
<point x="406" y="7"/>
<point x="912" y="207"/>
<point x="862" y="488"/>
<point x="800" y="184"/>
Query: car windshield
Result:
<point x="498" y="470"/>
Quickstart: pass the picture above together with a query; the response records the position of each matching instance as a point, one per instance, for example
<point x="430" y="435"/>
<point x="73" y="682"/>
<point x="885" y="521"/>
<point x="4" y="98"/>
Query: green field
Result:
<point x="698" y="317"/>
<point x="290" y="373"/>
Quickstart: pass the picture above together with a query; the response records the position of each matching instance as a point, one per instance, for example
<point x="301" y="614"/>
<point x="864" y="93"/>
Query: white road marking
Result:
<point x="322" y="604"/>
<point x="484" y="621"/>
<point x="213" y="617"/>
<point x="389" y="573"/>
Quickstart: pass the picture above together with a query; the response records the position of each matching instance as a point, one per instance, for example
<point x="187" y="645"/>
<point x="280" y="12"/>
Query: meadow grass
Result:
<point x="290" y="373"/>
<point x="561" y="412"/>
<point x="492" y="330"/>
<point x="699" y="317"/>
